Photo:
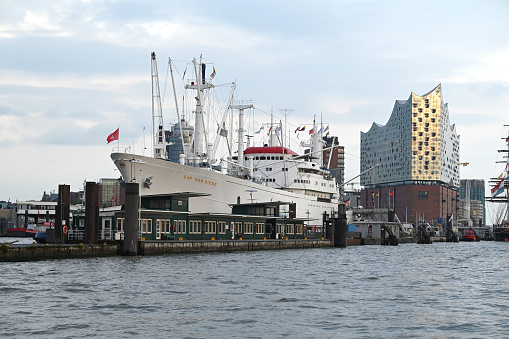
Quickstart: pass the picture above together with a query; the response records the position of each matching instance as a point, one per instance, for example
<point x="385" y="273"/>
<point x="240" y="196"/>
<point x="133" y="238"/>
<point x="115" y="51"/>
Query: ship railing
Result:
<point x="118" y="149"/>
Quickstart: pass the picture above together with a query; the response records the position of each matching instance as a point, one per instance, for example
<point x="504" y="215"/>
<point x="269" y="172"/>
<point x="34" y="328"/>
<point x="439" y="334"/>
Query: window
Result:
<point x="120" y="224"/>
<point x="298" y="228"/>
<point x="164" y="225"/>
<point x="289" y="229"/>
<point x="146" y="225"/>
<point x="259" y="228"/>
<point x="422" y="195"/>
<point x="194" y="226"/>
<point x="210" y="227"/>
<point x="248" y="227"/>
<point x="270" y="211"/>
<point x="221" y="227"/>
<point x="280" y="228"/>
<point x="238" y="227"/>
<point x="181" y="226"/>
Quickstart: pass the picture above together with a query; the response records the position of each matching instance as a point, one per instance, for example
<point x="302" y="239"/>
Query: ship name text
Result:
<point x="207" y="182"/>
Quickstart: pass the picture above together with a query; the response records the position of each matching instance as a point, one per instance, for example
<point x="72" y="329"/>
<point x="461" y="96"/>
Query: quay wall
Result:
<point x="12" y="253"/>
<point x="154" y="247"/>
<point x="43" y="252"/>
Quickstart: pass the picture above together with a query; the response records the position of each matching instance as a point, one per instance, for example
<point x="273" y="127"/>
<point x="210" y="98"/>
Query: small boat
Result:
<point x="20" y="233"/>
<point x="469" y="235"/>
<point x="40" y="237"/>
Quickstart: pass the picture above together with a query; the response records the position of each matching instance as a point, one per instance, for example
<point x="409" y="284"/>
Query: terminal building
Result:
<point x="417" y="157"/>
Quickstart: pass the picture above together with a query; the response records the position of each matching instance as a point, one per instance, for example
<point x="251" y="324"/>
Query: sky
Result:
<point x="72" y="72"/>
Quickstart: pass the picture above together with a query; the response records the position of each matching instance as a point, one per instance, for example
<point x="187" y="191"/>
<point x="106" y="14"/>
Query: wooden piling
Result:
<point x="340" y="226"/>
<point x="62" y="213"/>
<point x="92" y="201"/>
<point x="132" y="191"/>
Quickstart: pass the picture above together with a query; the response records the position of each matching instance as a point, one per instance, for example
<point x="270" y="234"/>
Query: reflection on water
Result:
<point x="442" y="290"/>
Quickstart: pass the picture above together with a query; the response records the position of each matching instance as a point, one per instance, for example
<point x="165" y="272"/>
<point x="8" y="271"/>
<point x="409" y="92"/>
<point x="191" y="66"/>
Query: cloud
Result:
<point x="37" y="21"/>
<point x="492" y="67"/>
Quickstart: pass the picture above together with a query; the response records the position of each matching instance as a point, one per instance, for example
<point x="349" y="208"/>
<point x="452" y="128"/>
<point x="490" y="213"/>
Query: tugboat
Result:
<point x="469" y="235"/>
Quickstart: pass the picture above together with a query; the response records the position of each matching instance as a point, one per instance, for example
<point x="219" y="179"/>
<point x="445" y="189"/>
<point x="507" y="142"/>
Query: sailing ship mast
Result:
<point x="505" y="182"/>
<point x="501" y="231"/>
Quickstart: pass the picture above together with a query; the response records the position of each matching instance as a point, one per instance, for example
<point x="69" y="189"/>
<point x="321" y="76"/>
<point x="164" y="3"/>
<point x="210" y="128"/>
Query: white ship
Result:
<point x="271" y="172"/>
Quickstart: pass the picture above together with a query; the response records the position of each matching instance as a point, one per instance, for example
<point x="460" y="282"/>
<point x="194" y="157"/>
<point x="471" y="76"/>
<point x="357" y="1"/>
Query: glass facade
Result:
<point x="417" y="144"/>
<point x="174" y="140"/>
<point x="477" y="198"/>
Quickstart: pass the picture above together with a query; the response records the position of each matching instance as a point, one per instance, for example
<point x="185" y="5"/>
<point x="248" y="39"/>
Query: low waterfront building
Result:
<point x="167" y="217"/>
<point x="33" y="213"/>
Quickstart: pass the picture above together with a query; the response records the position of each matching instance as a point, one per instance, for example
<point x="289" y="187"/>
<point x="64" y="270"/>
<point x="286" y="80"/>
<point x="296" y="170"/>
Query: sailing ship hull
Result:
<point x="159" y="176"/>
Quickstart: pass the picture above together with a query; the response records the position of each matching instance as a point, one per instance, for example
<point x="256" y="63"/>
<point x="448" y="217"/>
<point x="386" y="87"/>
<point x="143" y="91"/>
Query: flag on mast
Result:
<point x="113" y="136"/>
<point x="498" y="189"/>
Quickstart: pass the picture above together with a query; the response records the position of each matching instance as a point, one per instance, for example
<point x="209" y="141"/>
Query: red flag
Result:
<point x="112" y="136"/>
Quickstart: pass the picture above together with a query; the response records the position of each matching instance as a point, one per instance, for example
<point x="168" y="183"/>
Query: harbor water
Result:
<point x="442" y="290"/>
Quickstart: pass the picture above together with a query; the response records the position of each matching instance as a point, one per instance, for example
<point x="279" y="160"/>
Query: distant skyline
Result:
<point x="72" y="72"/>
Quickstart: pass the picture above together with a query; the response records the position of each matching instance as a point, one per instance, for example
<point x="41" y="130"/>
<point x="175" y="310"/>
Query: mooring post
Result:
<point x="62" y="214"/>
<point x="340" y="226"/>
<point x="132" y="191"/>
<point x="92" y="201"/>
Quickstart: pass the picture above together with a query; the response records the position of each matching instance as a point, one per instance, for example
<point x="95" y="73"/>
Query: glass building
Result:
<point x="417" y="148"/>
<point x="477" y="195"/>
<point x="174" y="140"/>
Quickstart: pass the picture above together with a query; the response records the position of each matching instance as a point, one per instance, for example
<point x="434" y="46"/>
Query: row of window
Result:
<point x="302" y="181"/>
<point x="265" y="158"/>
<point x="210" y="227"/>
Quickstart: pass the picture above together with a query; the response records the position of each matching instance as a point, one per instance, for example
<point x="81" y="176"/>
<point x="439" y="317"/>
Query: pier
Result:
<point x="13" y="252"/>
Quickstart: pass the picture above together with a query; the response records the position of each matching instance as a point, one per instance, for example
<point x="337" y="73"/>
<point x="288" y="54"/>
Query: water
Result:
<point x="442" y="290"/>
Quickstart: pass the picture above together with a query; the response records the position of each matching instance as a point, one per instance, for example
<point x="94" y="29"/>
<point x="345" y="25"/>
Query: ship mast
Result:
<point x="505" y="173"/>
<point x="200" y="85"/>
<point x="159" y="142"/>
<point x="240" y="142"/>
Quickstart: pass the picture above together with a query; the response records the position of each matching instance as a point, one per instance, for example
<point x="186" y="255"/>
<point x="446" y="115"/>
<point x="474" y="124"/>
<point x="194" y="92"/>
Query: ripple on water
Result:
<point x="400" y="291"/>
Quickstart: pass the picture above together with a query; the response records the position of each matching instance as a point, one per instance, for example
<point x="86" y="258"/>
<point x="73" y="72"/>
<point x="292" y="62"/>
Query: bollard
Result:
<point x="131" y="219"/>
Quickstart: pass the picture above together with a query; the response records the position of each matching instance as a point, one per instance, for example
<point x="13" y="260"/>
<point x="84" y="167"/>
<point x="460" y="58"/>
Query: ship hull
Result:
<point x="158" y="176"/>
